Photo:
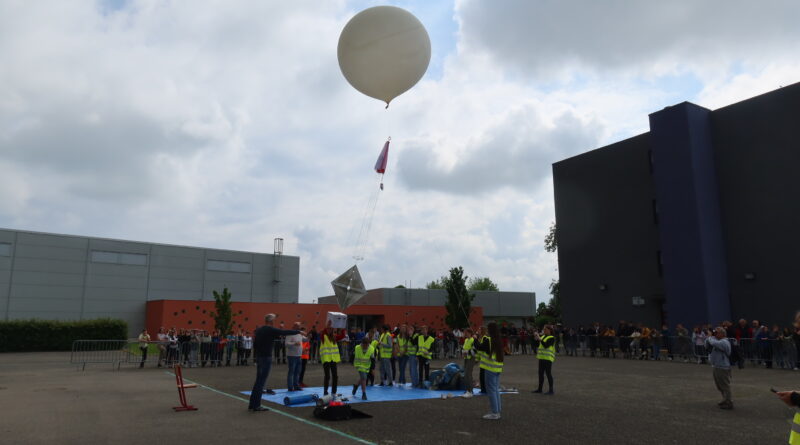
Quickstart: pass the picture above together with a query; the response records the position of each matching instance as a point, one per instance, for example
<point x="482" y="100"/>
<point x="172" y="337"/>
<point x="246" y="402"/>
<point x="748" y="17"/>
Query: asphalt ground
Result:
<point x="44" y="399"/>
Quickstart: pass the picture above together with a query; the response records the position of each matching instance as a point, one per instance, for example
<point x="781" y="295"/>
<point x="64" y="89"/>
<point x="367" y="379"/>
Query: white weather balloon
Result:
<point x="383" y="51"/>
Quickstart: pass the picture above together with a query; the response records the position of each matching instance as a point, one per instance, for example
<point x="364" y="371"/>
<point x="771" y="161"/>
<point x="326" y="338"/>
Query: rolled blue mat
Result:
<point x="298" y="399"/>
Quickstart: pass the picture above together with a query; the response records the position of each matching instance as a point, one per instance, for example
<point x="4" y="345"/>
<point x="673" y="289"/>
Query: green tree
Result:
<point x="399" y="286"/>
<point x="459" y="300"/>
<point x="482" y="283"/>
<point x="551" y="245"/>
<point x="441" y="283"/>
<point x="551" y="240"/>
<point x="555" y="302"/>
<point x="223" y="316"/>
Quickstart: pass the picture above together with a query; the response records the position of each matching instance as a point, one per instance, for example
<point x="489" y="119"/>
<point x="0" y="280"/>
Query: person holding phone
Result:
<point x="792" y="398"/>
<point x="720" y="362"/>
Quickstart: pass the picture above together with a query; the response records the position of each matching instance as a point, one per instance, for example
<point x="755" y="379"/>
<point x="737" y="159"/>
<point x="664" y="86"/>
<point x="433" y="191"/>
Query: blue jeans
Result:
<point x="412" y="364"/>
<point x="293" y="376"/>
<point x="386" y="370"/>
<point x="403" y="364"/>
<point x="263" y="365"/>
<point x="493" y="390"/>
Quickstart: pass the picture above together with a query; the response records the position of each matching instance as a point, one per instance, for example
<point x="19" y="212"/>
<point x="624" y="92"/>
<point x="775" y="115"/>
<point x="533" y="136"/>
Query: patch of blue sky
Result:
<point x="438" y="17"/>
<point x="107" y="7"/>
<point x="675" y="88"/>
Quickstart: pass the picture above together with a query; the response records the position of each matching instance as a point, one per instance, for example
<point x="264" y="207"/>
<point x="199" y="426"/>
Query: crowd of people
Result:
<point x="406" y="347"/>
<point x="754" y="342"/>
<point x="411" y="348"/>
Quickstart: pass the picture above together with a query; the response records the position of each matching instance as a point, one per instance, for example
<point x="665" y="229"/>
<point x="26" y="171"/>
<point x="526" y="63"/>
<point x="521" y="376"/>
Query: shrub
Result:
<point x="53" y="335"/>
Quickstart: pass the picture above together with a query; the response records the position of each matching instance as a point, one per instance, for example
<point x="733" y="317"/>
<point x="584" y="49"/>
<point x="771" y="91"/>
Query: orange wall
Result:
<point x="247" y="316"/>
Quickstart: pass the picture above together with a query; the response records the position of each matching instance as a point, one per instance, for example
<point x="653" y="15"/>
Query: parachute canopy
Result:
<point x="383" y="158"/>
<point x="348" y="288"/>
<point x="383" y="51"/>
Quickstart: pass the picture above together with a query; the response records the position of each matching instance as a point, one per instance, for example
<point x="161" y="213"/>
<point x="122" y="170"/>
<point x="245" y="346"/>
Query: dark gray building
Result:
<point x="63" y="277"/>
<point x="695" y="221"/>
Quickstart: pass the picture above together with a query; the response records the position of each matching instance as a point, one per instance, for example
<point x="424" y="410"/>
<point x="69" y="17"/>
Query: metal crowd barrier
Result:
<point x="114" y="352"/>
<point x="775" y="353"/>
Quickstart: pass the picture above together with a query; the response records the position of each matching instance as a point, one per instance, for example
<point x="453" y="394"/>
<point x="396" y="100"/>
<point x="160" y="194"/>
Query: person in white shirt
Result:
<point x="248" y="346"/>
<point x="162" y="345"/>
<point x="144" y="343"/>
<point x="294" y="349"/>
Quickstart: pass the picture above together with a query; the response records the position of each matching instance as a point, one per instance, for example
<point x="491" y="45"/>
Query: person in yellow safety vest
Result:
<point x="792" y="398"/>
<point x="424" y="345"/>
<point x="362" y="357"/>
<point x="386" y="344"/>
<point x="402" y="352"/>
<point x="329" y="355"/>
<point x="483" y="339"/>
<point x="470" y="355"/>
<point x="411" y="353"/>
<point x="546" y="353"/>
<point x="492" y="364"/>
<point x="373" y="337"/>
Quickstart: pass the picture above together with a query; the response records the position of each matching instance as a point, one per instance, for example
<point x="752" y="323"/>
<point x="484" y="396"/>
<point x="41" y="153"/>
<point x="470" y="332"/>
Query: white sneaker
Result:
<point x="491" y="416"/>
<point x="467" y="394"/>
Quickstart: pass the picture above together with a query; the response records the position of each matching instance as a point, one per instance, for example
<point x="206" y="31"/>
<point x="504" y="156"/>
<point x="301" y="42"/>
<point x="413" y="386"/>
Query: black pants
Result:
<point x="371" y="374"/>
<point x="144" y="356"/>
<point x="483" y="380"/>
<point x="424" y="367"/>
<point x="545" y="367"/>
<point x="205" y="352"/>
<point x="394" y="368"/>
<point x="303" y="369"/>
<point x="330" y="371"/>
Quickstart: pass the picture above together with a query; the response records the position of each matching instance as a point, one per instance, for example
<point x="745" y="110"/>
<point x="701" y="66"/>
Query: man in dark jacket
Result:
<point x="262" y="350"/>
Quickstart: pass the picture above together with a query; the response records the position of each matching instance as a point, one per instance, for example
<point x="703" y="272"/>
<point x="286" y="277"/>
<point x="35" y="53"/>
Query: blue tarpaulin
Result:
<point x="374" y="394"/>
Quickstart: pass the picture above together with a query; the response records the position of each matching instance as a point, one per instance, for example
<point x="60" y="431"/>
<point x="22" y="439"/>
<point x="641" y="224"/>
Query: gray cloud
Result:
<point x="543" y="36"/>
<point x="517" y="153"/>
<point x="104" y="153"/>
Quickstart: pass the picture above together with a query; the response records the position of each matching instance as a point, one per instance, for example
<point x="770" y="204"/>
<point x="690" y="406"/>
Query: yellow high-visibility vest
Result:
<point x="402" y="344"/>
<point x="424" y="347"/>
<point x="468" y="349"/>
<point x="411" y="348"/>
<point x="386" y="345"/>
<point x="329" y="352"/>
<point x="362" y="358"/>
<point x="482" y="355"/>
<point x="491" y="364"/>
<point x="548" y="353"/>
<point x="794" y="437"/>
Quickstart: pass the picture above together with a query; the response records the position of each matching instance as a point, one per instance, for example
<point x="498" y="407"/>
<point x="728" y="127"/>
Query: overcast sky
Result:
<point x="227" y="124"/>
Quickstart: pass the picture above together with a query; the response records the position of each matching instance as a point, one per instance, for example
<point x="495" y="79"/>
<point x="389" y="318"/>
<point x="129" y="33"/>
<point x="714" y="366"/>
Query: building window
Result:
<point x="5" y="249"/>
<point x="131" y="259"/>
<point x="228" y="266"/>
